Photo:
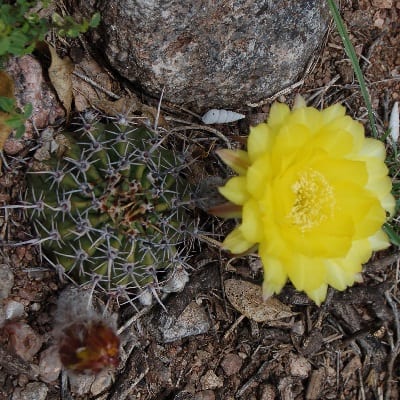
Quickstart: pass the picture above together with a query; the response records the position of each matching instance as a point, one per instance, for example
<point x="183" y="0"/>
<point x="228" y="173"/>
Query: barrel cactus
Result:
<point x="108" y="205"/>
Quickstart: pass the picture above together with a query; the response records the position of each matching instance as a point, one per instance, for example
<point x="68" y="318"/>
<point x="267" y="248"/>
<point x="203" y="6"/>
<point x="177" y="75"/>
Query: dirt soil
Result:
<point x="346" y="349"/>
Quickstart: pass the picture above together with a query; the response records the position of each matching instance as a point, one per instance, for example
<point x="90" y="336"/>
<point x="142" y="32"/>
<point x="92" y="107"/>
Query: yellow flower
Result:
<point x="313" y="193"/>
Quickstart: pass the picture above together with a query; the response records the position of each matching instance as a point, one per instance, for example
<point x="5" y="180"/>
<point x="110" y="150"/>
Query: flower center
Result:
<point x="314" y="200"/>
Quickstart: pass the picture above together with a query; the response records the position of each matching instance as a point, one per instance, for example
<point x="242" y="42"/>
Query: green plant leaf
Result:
<point x="354" y="61"/>
<point x="7" y="104"/>
<point x="19" y="131"/>
<point x="393" y="235"/>
<point x="95" y="20"/>
<point x="15" y="121"/>
<point x="4" y="45"/>
<point x="27" y="110"/>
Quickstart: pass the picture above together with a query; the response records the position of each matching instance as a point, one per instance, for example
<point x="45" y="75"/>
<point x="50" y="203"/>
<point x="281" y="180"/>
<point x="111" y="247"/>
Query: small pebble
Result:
<point x="299" y="366"/>
<point x="14" y="310"/>
<point x="35" y="306"/>
<point x="103" y="380"/>
<point x="24" y="340"/>
<point x="177" y="281"/>
<point x="192" y="321"/>
<point x="211" y="381"/>
<point x="80" y="384"/>
<point x="12" y="147"/>
<point x="34" y="391"/>
<point x="231" y="364"/>
<point x="49" y="364"/>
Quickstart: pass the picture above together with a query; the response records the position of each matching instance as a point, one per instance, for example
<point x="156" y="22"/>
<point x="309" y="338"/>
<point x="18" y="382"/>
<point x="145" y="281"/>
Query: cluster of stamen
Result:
<point x="314" y="200"/>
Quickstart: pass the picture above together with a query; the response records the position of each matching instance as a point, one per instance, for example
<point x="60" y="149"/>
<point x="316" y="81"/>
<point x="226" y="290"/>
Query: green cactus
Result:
<point x="108" y="206"/>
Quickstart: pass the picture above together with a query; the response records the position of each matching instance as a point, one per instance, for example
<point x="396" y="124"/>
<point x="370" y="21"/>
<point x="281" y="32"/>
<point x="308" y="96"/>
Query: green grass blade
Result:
<point x="354" y="61"/>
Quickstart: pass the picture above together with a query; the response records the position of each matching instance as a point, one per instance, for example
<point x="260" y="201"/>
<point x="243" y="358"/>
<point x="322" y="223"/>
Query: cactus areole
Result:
<point x="108" y="206"/>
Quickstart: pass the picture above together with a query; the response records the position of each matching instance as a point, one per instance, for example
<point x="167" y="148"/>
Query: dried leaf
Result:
<point x="6" y="85"/>
<point x="247" y="298"/>
<point x="6" y="90"/>
<point x="83" y="90"/>
<point x="60" y="74"/>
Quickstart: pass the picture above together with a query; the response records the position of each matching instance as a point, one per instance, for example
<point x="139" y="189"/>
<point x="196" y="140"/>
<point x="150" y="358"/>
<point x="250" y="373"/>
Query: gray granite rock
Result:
<point x="208" y="54"/>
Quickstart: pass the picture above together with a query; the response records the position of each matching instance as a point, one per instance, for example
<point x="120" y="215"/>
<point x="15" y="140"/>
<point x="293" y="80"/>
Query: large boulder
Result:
<point x="208" y="54"/>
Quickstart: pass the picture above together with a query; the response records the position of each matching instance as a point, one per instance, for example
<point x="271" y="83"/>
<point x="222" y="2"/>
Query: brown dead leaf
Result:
<point x="6" y="90"/>
<point x="60" y="74"/>
<point x="84" y="92"/>
<point x="6" y="85"/>
<point x="247" y="298"/>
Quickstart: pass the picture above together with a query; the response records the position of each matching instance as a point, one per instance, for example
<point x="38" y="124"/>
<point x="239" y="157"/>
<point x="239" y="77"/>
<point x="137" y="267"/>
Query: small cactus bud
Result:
<point x="89" y="346"/>
<point x="87" y="341"/>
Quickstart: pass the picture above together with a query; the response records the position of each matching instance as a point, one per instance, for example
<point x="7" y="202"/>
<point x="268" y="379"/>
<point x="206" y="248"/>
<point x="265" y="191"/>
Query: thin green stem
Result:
<point x="354" y="61"/>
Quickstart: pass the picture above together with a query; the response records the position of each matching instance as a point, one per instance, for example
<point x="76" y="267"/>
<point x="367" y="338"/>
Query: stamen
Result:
<point x="314" y="200"/>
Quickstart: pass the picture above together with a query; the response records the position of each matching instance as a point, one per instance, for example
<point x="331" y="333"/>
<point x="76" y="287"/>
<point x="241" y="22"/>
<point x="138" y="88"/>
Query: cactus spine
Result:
<point x="108" y="206"/>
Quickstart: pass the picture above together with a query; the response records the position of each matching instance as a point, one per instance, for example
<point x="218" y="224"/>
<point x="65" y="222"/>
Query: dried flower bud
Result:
<point x="89" y="347"/>
<point x="87" y="340"/>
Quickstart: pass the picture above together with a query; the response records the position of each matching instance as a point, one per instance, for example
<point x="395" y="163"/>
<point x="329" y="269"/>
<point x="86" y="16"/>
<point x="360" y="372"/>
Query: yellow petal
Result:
<point x="259" y="141"/>
<point x="379" y="241"/>
<point x="380" y="187"/>
<point x="306" y="273"/>
<point x="318" y="295"/>
<point x="313" y="244"/>
<point x="277" y="115"/>
<point x="372" y="221"/>
<point x="299" y="102"/>
<point x="252" y="227"/>
<point x="336" y="145"/>
<point x="340" y="276"/>
<point x="337" y="278"/>
<point x="235" y="190"/>
<point x="236" y="243"/>
<point x="359" y="204"/>
<point x="388" y="202"/>
<point x="309" y="117"/>
<point x="373" y="148"/>
<point x="258" y="178"/>
<point x="332" y="113"/>
<point x="378" y="181"/>
<point x="359" y="253"/>
<point x="345" y="271"/>
<point x="342" y="170"/>
<point x="291" y="139"/>
<point x="238" y="160"/>
<point x="347" y="124"/>
<point x="275" y="275"/>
